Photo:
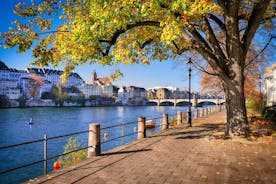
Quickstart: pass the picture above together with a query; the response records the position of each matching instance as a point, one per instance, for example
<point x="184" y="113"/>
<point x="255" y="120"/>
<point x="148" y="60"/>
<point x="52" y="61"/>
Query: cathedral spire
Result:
<point x="94" y="76"/>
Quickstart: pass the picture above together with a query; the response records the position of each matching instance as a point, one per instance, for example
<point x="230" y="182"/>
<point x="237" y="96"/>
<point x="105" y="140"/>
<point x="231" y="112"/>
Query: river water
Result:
<point x="15" y="128"/>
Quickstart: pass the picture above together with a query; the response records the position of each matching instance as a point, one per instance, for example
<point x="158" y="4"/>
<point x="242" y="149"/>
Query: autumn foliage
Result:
<point x="34" y="85"/>
<point x="212" y="84"/>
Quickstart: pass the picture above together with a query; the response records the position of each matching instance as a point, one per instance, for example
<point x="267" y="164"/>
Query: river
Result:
<point x="15" y="128"/>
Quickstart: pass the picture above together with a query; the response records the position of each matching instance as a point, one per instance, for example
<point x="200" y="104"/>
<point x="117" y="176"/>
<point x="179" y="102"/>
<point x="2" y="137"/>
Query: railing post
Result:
<point x="123" y="133"/>
<point x="179" y="118"/>
<point x="142" y="127"/>
<point x="165" y="122"/>
<point x="94" y="140"/>
<point x="195" y="112"/>
<point x="45" y="154"/>
<point x="200" y="112"/>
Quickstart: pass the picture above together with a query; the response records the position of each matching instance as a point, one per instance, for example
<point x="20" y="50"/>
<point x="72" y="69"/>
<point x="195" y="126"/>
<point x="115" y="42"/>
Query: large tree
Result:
<point x="134" y="31"/>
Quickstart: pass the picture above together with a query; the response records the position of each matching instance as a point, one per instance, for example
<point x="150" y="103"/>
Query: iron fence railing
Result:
<point x="122" y="135"/>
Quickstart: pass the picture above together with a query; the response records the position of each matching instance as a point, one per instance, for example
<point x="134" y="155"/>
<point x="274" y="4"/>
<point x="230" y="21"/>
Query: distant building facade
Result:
<point x="97" y="87"/>
<point x="270" y="85"/>
<point x="132" y="95"/>
<point x="163" y="93"/>
<point x="13" y="80"/>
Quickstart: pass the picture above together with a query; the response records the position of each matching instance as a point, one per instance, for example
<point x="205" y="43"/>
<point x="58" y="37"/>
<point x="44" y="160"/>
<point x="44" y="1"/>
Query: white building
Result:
<point x="12" y="93"/>
<point x="96" y="90"/>
<point x="6" y="84"/>
<point x="270" y="85"/>
<point x="13" y="78"/>
<point x="107" y="91"/>
<point x="53" y="76"/>
<point x="131" y="95"/>
<point x="46" y="87"/>
<point x="123" y="96"/>
<point x="90" y="90"/>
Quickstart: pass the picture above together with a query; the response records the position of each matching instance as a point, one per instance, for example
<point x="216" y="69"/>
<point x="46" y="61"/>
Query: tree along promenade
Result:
<point x="178" y="155"/>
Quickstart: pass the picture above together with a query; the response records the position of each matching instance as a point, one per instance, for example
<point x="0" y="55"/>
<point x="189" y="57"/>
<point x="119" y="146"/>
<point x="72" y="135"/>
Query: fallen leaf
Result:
<point x="218" y="173"/>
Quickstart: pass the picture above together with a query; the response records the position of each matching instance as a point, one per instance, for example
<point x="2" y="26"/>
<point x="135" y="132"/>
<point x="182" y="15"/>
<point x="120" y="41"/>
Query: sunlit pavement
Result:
<point x="179" y="155"/>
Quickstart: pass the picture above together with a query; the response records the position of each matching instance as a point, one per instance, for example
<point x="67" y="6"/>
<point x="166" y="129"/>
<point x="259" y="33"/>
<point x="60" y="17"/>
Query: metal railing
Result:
<point x="163" y="125"/>
<point x="45" y="159"/>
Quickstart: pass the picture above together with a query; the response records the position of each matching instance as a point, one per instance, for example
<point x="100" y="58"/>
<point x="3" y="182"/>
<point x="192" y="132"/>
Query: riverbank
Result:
<point x="50" y="103"/>
<point x="179" y="155"/>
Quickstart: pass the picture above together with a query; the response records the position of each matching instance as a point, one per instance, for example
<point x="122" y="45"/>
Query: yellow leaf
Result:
<point x="217" y="173"/>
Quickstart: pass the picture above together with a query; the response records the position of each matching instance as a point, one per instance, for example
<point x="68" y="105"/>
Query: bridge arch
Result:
<point x="152" y="103"/>
<point x="206" y="103"/>
<point x="166" y="103"/>
<point x="182" y="103"/>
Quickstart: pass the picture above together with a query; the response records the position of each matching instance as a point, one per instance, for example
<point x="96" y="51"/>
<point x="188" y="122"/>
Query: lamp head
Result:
<point x="190" y="62"/>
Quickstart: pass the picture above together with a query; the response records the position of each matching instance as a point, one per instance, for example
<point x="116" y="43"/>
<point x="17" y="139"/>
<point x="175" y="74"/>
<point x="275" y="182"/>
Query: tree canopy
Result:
<point x="138" y="31"/>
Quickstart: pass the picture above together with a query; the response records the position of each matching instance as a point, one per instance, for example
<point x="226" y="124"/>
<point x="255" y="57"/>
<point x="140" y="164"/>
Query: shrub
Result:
<point x="74" y="157"/>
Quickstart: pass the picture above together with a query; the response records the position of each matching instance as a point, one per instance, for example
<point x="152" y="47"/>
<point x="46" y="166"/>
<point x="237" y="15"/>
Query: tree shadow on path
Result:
<point x="196" y="132"/>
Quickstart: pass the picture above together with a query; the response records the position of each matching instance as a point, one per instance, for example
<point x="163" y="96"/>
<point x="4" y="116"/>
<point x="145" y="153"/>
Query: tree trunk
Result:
<point x="237" y="124"/>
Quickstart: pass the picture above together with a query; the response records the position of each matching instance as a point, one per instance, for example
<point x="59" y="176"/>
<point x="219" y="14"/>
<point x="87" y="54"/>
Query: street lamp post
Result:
<point x="189" y="111"/>
<point x="260" y="83"/>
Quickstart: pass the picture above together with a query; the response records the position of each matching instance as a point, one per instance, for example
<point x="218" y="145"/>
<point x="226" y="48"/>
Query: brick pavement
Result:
<point x="179" y="155"/>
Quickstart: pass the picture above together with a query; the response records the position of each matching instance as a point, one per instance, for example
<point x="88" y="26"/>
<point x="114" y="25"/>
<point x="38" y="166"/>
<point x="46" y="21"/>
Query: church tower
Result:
<point x="94" y="76"/>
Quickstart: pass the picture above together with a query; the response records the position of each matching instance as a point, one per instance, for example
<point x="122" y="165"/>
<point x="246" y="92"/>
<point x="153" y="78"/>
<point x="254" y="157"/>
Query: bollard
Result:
<point x="94" y="140"/>
<point x="142" y="127"/>
<point x="179" y="118"/>
<point x="165" y="122"/>
<point x="184" y="117"/>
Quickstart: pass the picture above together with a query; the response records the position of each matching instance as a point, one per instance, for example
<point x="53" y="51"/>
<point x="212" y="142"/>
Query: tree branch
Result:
<point x="202" y="69"/>
<point x="262" y="50"/>
<point x="253" y="23"/>
<point x="118" y="32"/>
<point x="217" y="21"/>
<point x="223" y="5"/>
<point x="213" y="40"/>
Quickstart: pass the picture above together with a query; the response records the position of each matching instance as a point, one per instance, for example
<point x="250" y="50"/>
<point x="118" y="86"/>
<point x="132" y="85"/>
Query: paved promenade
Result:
<point x="179" y="155"/>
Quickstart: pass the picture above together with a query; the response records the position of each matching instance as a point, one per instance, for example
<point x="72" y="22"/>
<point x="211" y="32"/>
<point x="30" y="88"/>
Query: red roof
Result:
<point x="104" y="80"/>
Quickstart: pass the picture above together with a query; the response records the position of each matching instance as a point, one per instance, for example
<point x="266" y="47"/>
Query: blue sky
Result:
<point x="165" y="73"/>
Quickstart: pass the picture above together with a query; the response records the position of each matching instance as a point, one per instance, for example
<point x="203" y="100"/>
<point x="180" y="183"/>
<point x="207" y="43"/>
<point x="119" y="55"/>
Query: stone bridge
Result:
<point x="195" y="102"/>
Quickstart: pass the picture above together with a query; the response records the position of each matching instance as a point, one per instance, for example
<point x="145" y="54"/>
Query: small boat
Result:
<point x="30" y="121"/>
<point x="150" y="123"/>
